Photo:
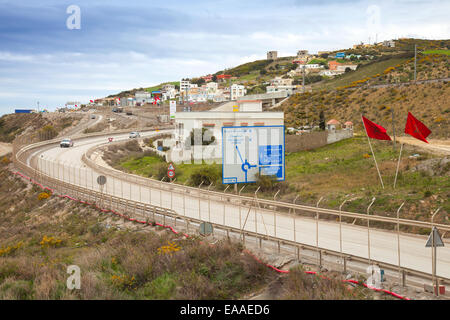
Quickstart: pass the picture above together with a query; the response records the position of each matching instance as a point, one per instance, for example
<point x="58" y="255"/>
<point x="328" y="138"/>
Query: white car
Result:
<point x="66" y="143"/>
<point x="134" y="134"/>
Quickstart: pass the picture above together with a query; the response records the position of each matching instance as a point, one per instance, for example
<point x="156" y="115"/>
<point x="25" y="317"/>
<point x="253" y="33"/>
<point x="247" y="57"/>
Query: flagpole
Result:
<point x="374" y="159"/>
<point x="376" y="165"/>
<point x="398" y="164"/>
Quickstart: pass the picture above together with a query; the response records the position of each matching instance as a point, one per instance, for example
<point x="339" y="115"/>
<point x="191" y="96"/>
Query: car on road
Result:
<point x="66" y="143"/>
<point x="93" y="116"/>
<point x="129" y="113"/>
<point x="134" y="134"/>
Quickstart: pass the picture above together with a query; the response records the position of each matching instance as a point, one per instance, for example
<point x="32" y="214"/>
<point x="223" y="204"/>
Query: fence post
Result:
<point x="209" y="203"/>
<point x="317" y="231"/>
<point x="256" y="200"/>
<point x="340" y="227"/>
<point x="368" y="229"/>
<point x="398" y="238"/>
<point x="294" y="220"/>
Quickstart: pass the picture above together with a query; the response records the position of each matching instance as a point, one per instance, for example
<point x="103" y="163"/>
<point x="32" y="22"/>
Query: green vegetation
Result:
<point x="159" y="86"/>
<point x="362" y="72"/>
<point x="247" y="68"/>
<point x="446" y="52"/>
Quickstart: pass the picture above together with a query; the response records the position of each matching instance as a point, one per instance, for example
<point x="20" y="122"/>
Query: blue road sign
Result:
<point x="249" y="151"/>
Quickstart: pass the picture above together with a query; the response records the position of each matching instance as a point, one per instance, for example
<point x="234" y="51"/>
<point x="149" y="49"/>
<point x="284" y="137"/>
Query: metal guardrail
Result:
<point x="244" y="199"/>
<point x="152" y="213"/>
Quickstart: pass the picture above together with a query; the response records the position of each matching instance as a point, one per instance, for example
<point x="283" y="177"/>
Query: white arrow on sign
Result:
<point x="437" y="239"/>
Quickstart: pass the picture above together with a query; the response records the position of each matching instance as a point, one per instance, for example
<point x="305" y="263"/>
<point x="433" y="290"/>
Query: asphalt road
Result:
<point x="66" y="164"/>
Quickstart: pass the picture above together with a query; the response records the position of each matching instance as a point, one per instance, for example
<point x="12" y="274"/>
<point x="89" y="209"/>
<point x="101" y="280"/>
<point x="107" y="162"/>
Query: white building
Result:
<point x="330" y="73"/>
<point x="279" y="81"/>
<point x="289" y="89"/>
<point x="184" y="85"/>
<point x="212" y="87"/>
<point x="250" y="114"/>
<point x="237" y="91"/>
<point x="143" y="97"/>
<point x="312" y="66"/>
<point x="342" y="67"/>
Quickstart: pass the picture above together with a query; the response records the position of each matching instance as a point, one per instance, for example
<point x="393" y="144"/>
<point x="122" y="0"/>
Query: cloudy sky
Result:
<point x="122" y="45"/>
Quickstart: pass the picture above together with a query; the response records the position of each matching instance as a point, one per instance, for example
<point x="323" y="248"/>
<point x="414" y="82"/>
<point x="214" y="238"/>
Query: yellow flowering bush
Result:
<point x="123" y="281"/>
<point x="366" y="155"/>
<point x="169" y="249"/>
<point x="44" y="195"/>
<point x="4" y="251"/>
<point x="5" y="161"/>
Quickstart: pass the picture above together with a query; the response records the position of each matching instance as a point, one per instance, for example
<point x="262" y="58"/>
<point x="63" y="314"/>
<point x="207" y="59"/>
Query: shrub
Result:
<point x="208" y="175"/>
<point x="160" y="171"/>
<point x="133" y="145"/>
<point x="4" y="251"/>
<point x="6" y="161"/>
<point x="50" y="242"/>
<point x="44" y="195"/>
<point x="47" y="132"/>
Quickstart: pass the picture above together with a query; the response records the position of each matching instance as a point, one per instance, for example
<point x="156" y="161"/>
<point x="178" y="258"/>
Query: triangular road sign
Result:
<point x="170" y="167"/>
<point x="437" y="239"/>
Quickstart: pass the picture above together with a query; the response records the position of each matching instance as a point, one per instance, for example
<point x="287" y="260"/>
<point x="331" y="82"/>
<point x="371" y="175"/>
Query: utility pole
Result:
<point x="415" y="61"/>
<point x="303" y="82"/>
<point x="38" y="106"/>
<point x="393" y="127"/>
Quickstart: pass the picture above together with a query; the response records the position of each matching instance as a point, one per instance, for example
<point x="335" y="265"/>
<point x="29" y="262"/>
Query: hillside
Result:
<point x="428" y="102"/>
<point x="45" y="127"/>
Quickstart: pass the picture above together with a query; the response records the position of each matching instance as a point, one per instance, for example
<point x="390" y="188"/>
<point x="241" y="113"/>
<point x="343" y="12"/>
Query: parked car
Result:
<point x="93" y="116"/>
<point x="134" y="134"/>
<point x="129" y="113"/>
<point x="115" y="110"/>
<point x="66" y="143"/>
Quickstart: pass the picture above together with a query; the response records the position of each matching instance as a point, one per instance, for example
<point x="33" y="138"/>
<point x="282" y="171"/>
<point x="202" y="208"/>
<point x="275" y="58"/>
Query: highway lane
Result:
<point x="66" y="165"/>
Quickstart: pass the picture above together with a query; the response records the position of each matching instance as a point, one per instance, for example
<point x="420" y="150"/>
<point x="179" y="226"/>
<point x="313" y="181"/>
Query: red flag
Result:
<point x="416" y="128"/>
<point x="374" y="130"/>
<point x="91" y="101"/>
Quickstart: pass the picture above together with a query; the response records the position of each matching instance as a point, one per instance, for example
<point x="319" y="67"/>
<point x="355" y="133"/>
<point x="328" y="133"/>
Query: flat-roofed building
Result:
<point x="213" y="121"/>
<point x="272" y="55"/>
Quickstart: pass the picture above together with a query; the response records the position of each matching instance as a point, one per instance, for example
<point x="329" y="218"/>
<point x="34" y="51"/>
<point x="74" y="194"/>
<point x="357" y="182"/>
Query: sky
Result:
<point x="52" y="55"/>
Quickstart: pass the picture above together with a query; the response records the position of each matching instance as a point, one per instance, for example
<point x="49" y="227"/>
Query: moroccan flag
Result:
<point x="374" y="130"/>
<point x="416" y="128"/>
<point x="91" y="101"/>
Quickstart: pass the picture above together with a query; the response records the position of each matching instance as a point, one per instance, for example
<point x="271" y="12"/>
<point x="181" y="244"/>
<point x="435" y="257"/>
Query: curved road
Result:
<point x="66" y="164"/>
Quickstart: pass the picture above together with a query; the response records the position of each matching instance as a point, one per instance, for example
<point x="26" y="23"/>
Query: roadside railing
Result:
<point x="276" y="208"/>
